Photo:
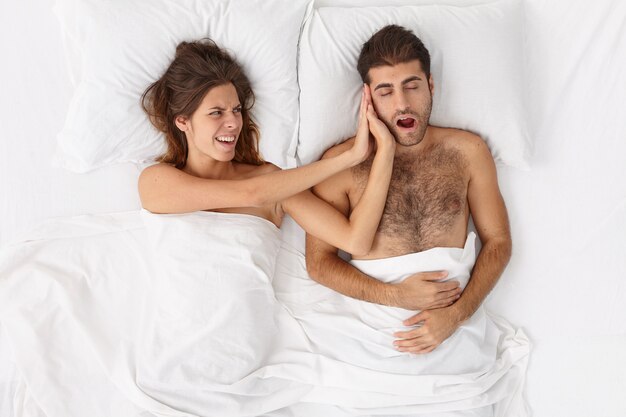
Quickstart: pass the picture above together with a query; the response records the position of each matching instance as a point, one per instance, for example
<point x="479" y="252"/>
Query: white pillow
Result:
<point x="476" y="63"/>
<point x="116" y="48"/>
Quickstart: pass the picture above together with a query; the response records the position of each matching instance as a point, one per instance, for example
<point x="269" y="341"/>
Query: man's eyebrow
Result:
<point x="383" y="85"/>
<point x="413" y="78"/>
<point x="389" y="85"/>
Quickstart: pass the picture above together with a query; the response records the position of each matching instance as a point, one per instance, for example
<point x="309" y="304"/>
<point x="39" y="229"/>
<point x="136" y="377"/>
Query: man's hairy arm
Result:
<point x="326" y="267"/>
<point x="491" y="221"/>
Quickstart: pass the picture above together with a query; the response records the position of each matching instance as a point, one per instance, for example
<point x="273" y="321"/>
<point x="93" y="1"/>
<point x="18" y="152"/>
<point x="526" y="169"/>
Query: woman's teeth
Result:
<point x="227" y="139"/>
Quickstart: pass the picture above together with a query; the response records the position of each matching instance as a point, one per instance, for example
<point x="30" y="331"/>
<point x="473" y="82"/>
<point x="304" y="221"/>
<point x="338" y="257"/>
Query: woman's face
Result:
<point x="213" y="129"/>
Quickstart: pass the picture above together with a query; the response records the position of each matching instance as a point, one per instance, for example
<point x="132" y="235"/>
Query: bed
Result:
<point x="563" y="178"/>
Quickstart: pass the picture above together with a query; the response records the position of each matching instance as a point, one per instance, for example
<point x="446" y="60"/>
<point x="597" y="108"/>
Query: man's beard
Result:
<point x="421" y="118"/>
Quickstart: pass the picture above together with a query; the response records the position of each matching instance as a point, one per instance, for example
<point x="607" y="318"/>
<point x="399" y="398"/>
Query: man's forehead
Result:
<point x="396" y="73"/>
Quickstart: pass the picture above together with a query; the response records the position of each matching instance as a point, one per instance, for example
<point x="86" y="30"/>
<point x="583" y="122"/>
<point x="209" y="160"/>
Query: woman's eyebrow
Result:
<point x="222" y="108"/>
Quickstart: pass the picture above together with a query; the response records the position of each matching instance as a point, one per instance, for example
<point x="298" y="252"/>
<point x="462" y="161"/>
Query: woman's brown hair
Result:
<point x="197" y="68"/>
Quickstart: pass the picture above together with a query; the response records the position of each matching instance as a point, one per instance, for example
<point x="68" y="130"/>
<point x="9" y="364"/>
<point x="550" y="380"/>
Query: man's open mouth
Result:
<point x="407" y="122"/>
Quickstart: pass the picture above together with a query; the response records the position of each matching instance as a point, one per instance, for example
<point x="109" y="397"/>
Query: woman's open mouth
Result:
<point x="227" y="141"/>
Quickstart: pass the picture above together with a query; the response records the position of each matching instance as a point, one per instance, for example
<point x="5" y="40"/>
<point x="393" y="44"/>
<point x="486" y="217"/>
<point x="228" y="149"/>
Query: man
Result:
<point x="440" y="177"/>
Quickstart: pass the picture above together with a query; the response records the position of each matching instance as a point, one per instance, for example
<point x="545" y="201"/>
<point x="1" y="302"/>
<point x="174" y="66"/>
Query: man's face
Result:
<point x="402" y="97"/>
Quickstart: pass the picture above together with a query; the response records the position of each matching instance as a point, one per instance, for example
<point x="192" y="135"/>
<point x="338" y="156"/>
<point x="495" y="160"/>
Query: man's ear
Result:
<point x="431" y="85"/>
<point x="182" y="123"/>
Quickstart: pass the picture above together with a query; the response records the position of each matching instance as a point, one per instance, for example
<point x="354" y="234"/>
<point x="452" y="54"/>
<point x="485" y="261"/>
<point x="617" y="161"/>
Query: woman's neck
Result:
<point x="210" y="168"/>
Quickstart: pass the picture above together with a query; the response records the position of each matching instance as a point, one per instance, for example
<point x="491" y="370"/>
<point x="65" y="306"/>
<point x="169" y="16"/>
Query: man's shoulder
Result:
<point x="338" y="149"/>
<point x="469" y="144"/>
<point x="458" y="137"/>
<point x="341" y="182"/>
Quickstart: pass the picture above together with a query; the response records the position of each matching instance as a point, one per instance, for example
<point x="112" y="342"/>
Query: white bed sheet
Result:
<point x="567" y="280"/>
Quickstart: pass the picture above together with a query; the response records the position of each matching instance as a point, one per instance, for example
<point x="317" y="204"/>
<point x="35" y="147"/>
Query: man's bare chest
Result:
<point x="427" y="198"/>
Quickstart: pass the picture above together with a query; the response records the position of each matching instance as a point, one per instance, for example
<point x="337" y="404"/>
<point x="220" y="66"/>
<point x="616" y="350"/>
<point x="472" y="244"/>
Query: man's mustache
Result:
<point x="405" y="112"/>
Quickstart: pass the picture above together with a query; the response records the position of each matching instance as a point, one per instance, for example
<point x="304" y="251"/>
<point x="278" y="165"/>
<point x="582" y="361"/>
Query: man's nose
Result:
<point x="401" y="101"/>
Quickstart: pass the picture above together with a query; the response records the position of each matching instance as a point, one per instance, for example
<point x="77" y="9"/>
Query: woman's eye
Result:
<point x="215" y="113"/>
<point x="237" y="110"/>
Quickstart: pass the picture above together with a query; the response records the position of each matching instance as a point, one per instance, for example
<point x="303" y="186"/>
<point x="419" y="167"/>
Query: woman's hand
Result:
<point x="384" y="138"/>
<point x="362" y="147"/>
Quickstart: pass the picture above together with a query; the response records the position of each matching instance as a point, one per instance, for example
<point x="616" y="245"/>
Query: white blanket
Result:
<point x="479" y="370"/>
<point x="212" y="324"/>
<point x="69" y="306"/>
<point x="138" y="315"/>
<point x="141" y="315"/>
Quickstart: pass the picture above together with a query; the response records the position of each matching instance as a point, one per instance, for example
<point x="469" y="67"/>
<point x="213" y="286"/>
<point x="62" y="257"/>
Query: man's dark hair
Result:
<point x="392" y="45"/>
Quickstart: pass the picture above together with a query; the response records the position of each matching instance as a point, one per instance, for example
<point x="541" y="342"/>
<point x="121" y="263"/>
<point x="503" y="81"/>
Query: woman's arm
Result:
<point x="165" y="189"/>
<point x="356" y="234"/>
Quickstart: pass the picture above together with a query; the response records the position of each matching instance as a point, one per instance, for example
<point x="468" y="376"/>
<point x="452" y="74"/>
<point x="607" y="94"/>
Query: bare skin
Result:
<point x="211" y="180"/>
<point x="440" y="177"/>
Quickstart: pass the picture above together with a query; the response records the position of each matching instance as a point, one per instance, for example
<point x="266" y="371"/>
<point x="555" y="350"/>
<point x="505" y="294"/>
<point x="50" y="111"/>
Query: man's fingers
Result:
<point x="413" y="320"/>
<point x="445" y="302"/>
<point x="440" y="304"/>
<point x="424" y="347"/>
<point x="412" y="342"/>
<point x="409" y="334"/>
<point x="449" y="286"/>
<point x="415" y="341"/>
<point x="441" y="295"/>
<point x="433" y="275"/>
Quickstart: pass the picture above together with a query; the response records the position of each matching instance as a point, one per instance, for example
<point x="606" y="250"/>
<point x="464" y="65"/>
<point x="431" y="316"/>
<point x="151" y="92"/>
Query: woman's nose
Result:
<point x="232" y="121"/>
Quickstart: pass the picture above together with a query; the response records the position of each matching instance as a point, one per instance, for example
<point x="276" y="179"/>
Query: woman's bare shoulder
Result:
<point x="156" y="171"/>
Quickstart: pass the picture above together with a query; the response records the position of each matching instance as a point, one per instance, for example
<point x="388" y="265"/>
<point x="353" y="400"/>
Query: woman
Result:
<point x="215" y="338"/>
<point x="202" y="105"/>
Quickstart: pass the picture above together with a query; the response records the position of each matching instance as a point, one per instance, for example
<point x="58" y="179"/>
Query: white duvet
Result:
<point x="136" y="314"/>
<point x="478" y="371"/>
<point x="212" y="323"/>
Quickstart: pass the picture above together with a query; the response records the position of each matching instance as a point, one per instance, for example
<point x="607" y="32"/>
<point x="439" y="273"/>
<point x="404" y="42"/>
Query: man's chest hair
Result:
<point x="427" y="194"/>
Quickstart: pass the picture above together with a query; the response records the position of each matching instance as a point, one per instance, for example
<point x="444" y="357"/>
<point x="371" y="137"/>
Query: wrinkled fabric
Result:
<point x="482" y="365"/>
<point x="140" y="315"/>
